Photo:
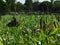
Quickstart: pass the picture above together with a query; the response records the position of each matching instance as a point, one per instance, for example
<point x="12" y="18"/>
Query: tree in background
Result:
<point x="35" y="6"/>
<point x="28" y="5"/>
<point x="2" y="7"/>
<point x="52" y="1"/>
<point x="19" y="7"/>
<point x="45" y="7"/>
<point x="52" y="6"/>
<point x="57" y="6"/>
<point x="10" y="5"/>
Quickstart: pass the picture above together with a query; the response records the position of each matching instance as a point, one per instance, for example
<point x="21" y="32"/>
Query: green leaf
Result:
<point x="54" y="31"/>
<point x="1" y="43"/>
<point x="43" y="35"/>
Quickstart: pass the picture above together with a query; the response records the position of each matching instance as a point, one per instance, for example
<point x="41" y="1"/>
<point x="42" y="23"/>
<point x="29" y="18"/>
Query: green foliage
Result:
<point x="10" y="5"/>
<point x="2" y="7"/>
<point x="29" y="31"/>
<point x="28" y="5"/>
<point x="45" y="7"/>
<point x="19" y="7"/>
<point x="35" y="4"/>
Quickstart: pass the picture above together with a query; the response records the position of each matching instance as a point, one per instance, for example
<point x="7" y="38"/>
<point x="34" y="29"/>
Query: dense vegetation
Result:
<point x="29" y="6"/>
<point x="32" y="30"/>
<point x="34" y="24"/>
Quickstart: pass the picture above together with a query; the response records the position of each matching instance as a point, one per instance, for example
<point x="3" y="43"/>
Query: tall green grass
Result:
<point x="29" y="31"/>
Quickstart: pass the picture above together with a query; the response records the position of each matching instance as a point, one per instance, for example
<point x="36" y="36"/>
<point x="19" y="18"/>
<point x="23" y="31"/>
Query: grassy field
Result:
<point x="32" y="30"/>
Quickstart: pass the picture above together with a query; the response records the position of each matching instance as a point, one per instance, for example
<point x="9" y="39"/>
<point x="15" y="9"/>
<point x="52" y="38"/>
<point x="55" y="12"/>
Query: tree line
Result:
<point x="45" y="7"/>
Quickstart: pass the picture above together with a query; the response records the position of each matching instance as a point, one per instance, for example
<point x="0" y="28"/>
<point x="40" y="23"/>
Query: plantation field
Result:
<point x="32" y="30"/>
